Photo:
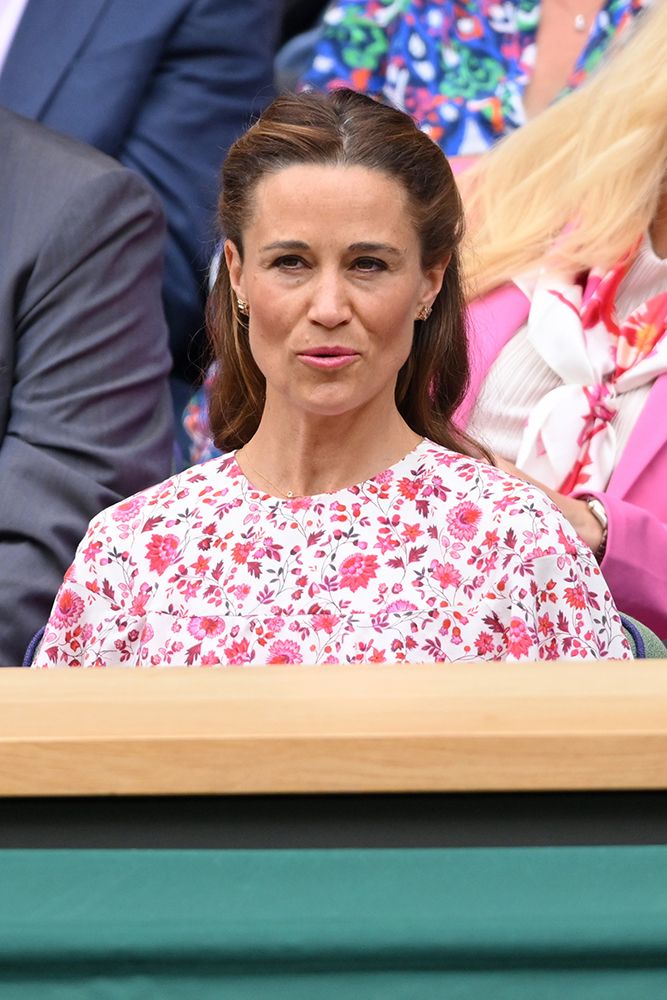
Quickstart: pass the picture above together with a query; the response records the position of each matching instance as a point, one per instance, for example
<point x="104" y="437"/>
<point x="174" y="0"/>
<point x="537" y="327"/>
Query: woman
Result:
<point x="352" y="522"/>
<point x="569" y="377"/>
<point x="468" y="71"/>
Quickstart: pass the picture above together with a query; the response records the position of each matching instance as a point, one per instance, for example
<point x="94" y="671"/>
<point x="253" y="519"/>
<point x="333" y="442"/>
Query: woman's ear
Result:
<point x="235" y="268"/>
<point x="433" y="279"/>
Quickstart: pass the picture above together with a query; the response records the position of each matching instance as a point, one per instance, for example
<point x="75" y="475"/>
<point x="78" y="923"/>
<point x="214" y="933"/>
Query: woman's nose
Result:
<point x="329" y="302"/>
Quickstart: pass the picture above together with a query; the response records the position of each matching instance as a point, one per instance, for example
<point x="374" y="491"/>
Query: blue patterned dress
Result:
<point x="459" y="68"/>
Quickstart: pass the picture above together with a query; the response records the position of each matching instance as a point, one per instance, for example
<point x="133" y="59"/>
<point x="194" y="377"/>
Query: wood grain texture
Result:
<point x="472" y="727"/>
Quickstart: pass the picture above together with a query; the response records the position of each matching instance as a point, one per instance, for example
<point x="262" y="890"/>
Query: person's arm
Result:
<point x="90" y="417"/>
<point x="96" y="619"/>
<point x="214" y="75"/>
<point x="635" y="561"/>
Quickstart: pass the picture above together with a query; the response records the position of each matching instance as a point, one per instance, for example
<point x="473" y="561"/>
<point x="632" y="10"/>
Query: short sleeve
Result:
<point x="96" y="619"/>
<point x="563" y="609"/>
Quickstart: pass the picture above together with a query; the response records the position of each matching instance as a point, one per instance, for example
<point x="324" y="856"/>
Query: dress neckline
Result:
<point x="237" y="472"/>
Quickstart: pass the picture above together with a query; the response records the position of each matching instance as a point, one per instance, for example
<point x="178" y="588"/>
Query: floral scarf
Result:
<point x="568" y="441"/>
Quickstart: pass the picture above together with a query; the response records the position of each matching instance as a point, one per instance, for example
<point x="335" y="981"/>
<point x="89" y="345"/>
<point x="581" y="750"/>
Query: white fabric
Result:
<point x="11" y="12"/>
<point x="523" y="376"/>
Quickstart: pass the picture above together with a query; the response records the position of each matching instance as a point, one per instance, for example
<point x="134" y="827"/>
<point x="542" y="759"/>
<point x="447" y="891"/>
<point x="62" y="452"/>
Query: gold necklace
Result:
<point x="287" y="494"/>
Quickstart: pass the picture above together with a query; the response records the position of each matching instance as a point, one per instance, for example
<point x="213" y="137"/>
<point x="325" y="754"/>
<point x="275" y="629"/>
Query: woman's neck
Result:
<point x="562" y="34"/>
<point x="297" y="454"/>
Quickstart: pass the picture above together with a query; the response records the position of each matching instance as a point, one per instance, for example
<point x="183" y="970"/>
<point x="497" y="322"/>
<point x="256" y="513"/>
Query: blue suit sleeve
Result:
<point x="214" y="75"/>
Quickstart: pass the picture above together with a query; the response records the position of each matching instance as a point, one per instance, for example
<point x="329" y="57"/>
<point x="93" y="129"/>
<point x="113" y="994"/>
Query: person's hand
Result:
<point x="577" y="512"/>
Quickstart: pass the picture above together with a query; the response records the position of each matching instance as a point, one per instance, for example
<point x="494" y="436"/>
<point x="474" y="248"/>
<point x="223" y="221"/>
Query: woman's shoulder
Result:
<point x="460" y="468"/>
<point x="193" y="489"/>
<point x="504" y="504"/>
<point x="442" y="475"/>
<point x="467" y="469"/>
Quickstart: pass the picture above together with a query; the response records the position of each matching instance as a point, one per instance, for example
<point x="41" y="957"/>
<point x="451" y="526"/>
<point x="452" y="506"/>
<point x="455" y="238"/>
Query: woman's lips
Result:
<point x="328" y="357"/>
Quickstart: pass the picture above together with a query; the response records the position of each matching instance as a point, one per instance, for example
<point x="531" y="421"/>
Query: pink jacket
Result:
<point x="635" y="562"/>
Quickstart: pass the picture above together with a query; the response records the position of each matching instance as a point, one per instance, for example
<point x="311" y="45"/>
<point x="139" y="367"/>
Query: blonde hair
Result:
<point x="581" y="183"/>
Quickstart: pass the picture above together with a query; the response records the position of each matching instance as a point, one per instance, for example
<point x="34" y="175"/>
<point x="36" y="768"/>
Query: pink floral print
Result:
<point x="439" y="558"/>
<point x="68" y="608"/>
<point x="160" y="550"/>
<point x="357" y="571"/>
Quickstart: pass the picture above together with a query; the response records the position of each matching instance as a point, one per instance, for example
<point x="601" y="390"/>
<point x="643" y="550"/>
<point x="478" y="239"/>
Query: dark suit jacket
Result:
<point x="164" y="86"/>
<point x="85" y="416"/>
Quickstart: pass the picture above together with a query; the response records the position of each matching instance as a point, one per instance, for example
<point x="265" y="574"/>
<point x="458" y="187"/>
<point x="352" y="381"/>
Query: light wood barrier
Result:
<point x="473" y="727"/>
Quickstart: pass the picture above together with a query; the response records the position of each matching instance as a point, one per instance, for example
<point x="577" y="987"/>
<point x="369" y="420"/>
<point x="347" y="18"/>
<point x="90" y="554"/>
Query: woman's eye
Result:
<point x="369" y="264"/>
<point x="289" y="263"/>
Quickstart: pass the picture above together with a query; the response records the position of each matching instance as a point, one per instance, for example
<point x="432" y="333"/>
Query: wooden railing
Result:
<point x="472" y="727"/>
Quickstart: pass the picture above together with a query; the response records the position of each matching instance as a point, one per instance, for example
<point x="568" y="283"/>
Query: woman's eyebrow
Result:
<point x="285" y="245"/>
<point x="375" y="248"/>
<point x="360" y="247"/>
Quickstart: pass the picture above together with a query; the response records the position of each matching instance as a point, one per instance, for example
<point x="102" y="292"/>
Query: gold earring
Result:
<point x="424" y="312"/>
<point x="242" y="306"/>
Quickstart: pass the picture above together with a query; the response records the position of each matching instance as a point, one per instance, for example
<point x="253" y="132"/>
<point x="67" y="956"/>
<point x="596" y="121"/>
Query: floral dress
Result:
<point x="459" y="67"/>
<point x="438" y="558"/>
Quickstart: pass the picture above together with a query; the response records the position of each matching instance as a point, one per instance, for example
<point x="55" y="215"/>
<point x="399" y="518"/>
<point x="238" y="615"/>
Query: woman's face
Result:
<point x="333" y="280"/>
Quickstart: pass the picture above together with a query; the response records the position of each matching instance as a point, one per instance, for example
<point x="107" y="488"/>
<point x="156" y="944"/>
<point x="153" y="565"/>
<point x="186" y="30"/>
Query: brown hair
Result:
<point x="346" y="128"/>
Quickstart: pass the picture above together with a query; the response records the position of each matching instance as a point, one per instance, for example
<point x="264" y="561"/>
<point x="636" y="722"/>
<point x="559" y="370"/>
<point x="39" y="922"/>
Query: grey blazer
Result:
<point x="85" y="417"/>
<point x="164" y="86"/>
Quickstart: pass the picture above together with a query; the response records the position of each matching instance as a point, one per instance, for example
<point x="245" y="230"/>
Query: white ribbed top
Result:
<point x="519" y="377"/>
